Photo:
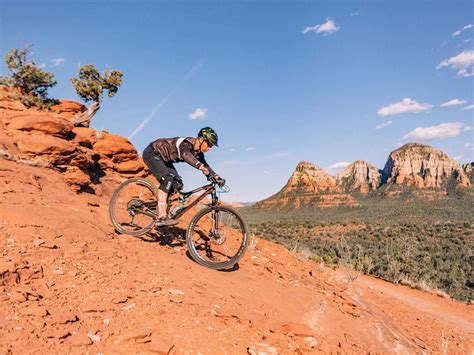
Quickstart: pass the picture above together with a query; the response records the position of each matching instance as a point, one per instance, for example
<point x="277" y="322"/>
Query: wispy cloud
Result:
<point x="42" y="66"/>
<point x="453" y="102"/>
<point x="157" y="108"/>
<point x="338" y="165"/>
<point x="404" y="106"/>
<point x="467" y="145"/>
<point x="383" y="125"/>
<point x="462" y="63"/>
<point x="57" y="61"/>
<point x="470" y="107"/>
<point x="198" y="114"/>
<point x="355" y="13"/>
<point x="457" y="33"/>
<point x="249" y="149"/>
<point x="441" y="131"/>
<point x="327" y="28"/>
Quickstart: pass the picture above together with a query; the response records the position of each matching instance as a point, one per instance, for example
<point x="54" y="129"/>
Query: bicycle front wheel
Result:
<point x="132" y="208"/>
<point x="217" y="237"/>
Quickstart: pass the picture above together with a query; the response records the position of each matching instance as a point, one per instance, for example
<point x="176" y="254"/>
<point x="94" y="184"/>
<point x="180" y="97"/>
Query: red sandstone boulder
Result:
<point x="11" y="105"/>
<point x="68" y="108"/>
<point x="84" y="136"/>
<point x="111" y="144"/>
<point x="76" y="178"/>
<point x="7" y="102"/>
<point x="131" y="166"/>
<point x="42" y="144"/>
<point x="44" y="122"/>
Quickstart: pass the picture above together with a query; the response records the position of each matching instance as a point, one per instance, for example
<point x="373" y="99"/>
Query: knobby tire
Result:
<point x="217" y="265"/>
<point x="113" y="201"/>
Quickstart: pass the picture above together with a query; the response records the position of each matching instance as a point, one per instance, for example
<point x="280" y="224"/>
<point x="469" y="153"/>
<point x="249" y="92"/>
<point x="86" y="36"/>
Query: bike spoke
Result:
<point x="131" y="208"/>
<point x="218" y="236"/>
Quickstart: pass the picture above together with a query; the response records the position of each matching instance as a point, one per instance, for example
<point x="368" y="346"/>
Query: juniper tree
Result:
<point x="90" y="86"/>
<point x="31" y="81"/>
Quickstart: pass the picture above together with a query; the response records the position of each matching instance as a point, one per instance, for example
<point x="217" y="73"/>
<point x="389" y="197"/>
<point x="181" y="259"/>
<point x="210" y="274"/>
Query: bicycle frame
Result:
<point x="208" y="190"/>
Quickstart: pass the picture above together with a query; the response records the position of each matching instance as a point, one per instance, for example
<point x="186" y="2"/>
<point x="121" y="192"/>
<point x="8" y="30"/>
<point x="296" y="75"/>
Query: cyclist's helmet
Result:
<point x="209" y="135"/>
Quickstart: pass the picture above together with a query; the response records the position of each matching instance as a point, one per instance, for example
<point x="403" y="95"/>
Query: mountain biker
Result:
<point x="160" y="155"/>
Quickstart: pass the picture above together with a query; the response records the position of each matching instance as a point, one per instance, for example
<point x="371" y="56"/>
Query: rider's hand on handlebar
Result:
<point x="218" y="180"/>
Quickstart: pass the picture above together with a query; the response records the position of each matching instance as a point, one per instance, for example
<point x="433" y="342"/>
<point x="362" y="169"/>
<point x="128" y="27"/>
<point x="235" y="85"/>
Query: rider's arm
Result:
<point x="188" y="156"/>
<point x="200" y="158"/>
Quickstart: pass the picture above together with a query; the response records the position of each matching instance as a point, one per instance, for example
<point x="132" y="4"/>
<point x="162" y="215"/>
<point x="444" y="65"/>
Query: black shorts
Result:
<point x="164" y="172"/>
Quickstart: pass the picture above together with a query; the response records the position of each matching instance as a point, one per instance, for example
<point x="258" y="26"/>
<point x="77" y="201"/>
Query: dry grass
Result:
<point x="424" y="286"/>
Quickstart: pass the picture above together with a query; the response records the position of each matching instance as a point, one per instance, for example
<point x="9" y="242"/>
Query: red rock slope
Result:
<point x="70" y="284"/>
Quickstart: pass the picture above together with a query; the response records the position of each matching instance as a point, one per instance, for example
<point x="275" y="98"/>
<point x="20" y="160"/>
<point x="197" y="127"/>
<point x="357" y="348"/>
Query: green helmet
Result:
<point x="209" y="135"/>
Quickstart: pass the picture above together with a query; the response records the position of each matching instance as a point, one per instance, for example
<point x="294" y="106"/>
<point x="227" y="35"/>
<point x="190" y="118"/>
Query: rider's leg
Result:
<point x="162" y="197"/>
<point x="164" y="173"/>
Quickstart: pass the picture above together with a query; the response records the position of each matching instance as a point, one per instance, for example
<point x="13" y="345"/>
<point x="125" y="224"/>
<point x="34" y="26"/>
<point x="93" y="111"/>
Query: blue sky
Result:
<point x="280" y="81"/>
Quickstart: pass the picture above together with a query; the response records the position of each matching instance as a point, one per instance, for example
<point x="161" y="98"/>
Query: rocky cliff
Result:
<point x="429" y="170"/>
<point x="309" y="186"/>
<point x="469" y="169"/>
<point x="423" y="166"/>
<point x="360" y="177"/>
<point x="49" y="139"/>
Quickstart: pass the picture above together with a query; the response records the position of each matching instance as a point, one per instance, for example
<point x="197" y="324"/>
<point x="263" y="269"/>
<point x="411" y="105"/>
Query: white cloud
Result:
<point x="355" y="13"/>
<point x="249" y="149"/>
<point x="406" y="105"/>
<point x="459" y="157"/>
<point x="383" y="125"/>
<point x="468" y="128"/>
<point x="470" y="107"/>
<point x="57" y="61"/>
<point x="327" y="28"/>
<point x="453" y="102"/>
<point x="198" y="114"/>
<point x="462" y="63"/>
<point x="457" y="33"/>
<point x="339" y="165"/>
<point x="441" y="131"/>
<point x="467" y="144"/>
<point x="42" y="65"/>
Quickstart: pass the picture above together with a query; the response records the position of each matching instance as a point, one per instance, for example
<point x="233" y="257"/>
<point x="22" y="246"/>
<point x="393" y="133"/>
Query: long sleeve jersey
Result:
<point x="179" y="149"/>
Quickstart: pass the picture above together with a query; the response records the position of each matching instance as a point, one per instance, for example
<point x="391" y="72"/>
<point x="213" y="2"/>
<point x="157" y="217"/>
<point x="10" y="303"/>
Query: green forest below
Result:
<point x="424" y="244"/>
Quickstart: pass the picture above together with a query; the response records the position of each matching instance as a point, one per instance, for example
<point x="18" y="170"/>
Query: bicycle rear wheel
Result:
<point x="217" y="237"/>
<point x="133" y="205"/>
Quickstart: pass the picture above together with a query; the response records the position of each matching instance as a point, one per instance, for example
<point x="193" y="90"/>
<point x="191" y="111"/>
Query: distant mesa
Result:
<point x="424" y="171"/>
<point x="423" y="166"/>
<point x="309" y="186"/>
<point x="359" y="177"/>
<point x="468" y="169"/>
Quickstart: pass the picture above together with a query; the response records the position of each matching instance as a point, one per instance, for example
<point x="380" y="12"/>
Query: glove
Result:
<point x="220" y="181"/>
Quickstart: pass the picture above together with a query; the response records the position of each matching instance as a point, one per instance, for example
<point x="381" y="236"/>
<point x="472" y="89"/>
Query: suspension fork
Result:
<point x="215" y="214"/>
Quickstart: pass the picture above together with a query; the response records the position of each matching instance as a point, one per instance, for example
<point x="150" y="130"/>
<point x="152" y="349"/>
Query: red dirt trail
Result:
<point x="70" y="284"/>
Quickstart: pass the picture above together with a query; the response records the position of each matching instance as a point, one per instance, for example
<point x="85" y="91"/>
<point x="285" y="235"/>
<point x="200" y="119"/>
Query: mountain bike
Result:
<point x="216" y="237"/>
